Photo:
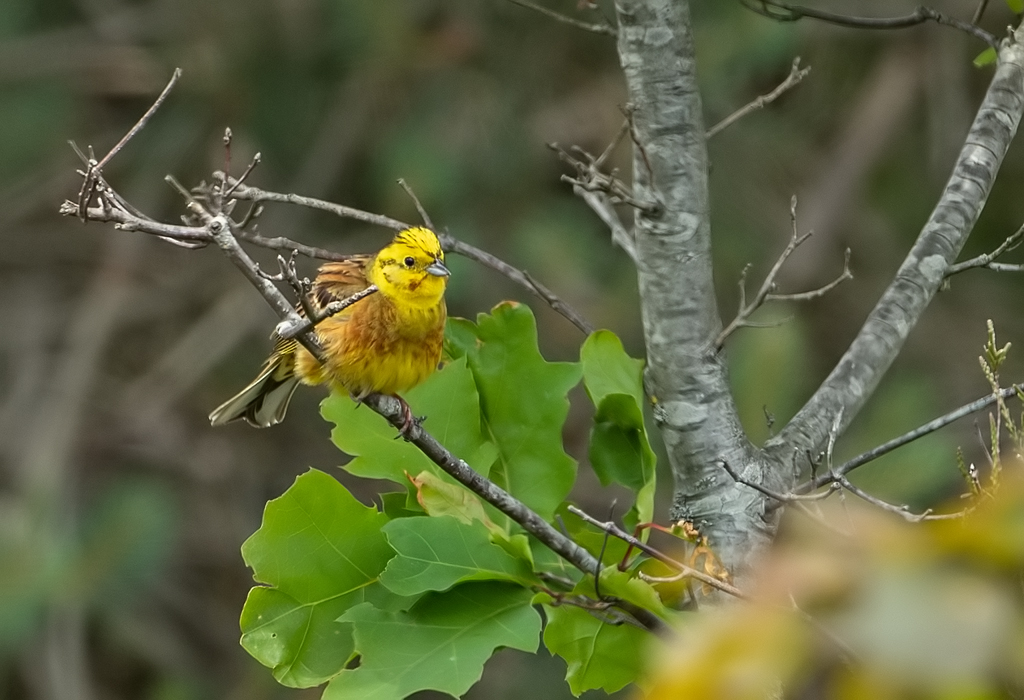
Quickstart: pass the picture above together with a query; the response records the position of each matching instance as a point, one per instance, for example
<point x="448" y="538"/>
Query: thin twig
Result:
<point x="766" y="292"/>
<point x="521" y="277"/>
<point x="906" y="438"/>
<point x="797" y="501"/>
<point x="796" y="74"/>
<point x="987" y="260"/>
<point x="286" y="330"/>
<point x="416" y="200"/>
<point x="241" y="178"/>
<point x="902" y="511"/>
<point x="448" y="243"/>
<point x="980" y="12"/>
<point x="586" y="26"/>
<point x="590" y="178"/>
<point x="612" y="529"/>
<point x="256" y="194"/>
<point x="846" y="274"/>
<point x="89" y="183"/>
<point x="784" y="12"/>
<point x="849" y="657"/>
<point x="600" y="201"/>
<point x="282" y="243"/>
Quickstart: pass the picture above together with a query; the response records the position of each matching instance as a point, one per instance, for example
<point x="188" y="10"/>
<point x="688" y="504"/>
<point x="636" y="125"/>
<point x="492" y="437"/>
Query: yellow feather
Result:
<point x="386" y="343"/>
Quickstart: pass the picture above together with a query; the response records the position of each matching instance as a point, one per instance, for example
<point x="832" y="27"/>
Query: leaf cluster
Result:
<point x="418" y="594"/>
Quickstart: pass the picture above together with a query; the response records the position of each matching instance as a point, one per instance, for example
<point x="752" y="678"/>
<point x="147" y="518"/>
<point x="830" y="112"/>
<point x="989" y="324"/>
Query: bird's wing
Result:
<point x="339" y="280"/>
<point x="335" y="281"/>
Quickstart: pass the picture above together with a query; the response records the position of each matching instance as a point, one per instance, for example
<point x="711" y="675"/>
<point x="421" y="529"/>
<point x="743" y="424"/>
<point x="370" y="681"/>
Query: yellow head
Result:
<point x="410" y="269"/>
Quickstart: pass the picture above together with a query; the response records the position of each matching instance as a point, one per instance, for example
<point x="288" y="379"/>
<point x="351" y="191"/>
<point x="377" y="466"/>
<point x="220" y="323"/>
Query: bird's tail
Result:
<point x="265" y="401"/>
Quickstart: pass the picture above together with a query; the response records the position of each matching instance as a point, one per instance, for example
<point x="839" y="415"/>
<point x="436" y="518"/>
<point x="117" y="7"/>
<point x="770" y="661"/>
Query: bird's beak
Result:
<point x="437" y="269"/>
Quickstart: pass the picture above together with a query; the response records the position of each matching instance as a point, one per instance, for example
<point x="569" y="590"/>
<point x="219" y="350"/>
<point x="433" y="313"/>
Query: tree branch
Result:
<point x="586" y="26"/>
<point x="880" y="339"/>
<point x="688" y="386"/>
<point x="448" y="243"/>
<point x="766" y="292"/>
<point x="796" y="74"/>
<point x="688" y="571"/>
<point x="784" y="12"/>
<point x="919" y="432"/>
<point x="987" y="260"/>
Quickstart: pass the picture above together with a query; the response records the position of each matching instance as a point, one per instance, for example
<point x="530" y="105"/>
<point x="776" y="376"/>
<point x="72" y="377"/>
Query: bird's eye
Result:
<point x="410" y="261"/>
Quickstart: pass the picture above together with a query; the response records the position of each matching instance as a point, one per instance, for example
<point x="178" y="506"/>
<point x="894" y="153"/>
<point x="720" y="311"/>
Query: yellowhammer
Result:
<point x="386" y="343"/>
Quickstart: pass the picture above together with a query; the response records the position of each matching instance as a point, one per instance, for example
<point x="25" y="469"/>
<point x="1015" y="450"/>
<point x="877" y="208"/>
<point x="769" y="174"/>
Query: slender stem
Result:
<point x="448" y="243"/>
<point x="586" y="26"/>
<point x="906" y="438"/>
<point x="613" y="530"/>
<point x="784" y="12"/>
<point x="796" y="74"/>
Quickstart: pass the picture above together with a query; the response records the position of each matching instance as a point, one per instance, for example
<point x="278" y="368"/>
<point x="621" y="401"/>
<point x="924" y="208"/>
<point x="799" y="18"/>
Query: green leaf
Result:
<point x="440" y="644"/>
<point x="598" y="655"/>
<point x="524" y="404"/>
<point x="620" y="450"/>
<point x="397" y="504"/>
<point x="623" y="584"/>
<point x="436" y="553"/>
<point x="607" y="369"/>
<point x="450" y="402"/>
<point x="986" y="57"/>
<point x="1016" y="6"/>
<point x="322" y="552"/>
<point x="438" y="497"/>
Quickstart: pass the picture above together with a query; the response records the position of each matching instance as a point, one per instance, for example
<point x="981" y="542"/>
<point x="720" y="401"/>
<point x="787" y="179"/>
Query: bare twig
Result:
<point x="241" y="178"/>
<point x="784" y="12"/>
<point x="846" y="274"/>
<point x="282" y="243"/>
<point x="902" y="511"/>
<point x="448" y="243"/>
<point x="797" y="501"/>
<point x="613" y="530"/>
<point x="89" y="183"/>
<point x="796" y="74"/>
<point x="605" y="210"/>
<point x="766" y="292"/>
<point x="256" y="194"/>
<point x="518" y="276"/>
<point x="590" y="178"/>
<point x="980" y="12"/>
<point x="600" y="201"/>
<point x="586" y="26"/>
<point x="887" y="447"/>
<point x="287" y="330"/>
<point x="416" y="200"/>
<point x="987" y="260"/>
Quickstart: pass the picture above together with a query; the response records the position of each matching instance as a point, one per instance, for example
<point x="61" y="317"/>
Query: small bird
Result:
<point x="385" y="343"/>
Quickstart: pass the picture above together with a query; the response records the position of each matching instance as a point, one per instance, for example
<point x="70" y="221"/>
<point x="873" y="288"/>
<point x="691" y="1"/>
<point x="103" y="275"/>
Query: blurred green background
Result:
<point x="122" y="511"/>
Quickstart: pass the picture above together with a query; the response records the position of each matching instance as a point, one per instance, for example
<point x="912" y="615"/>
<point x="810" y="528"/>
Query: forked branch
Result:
<point x="767" y="291"/>
<point x="988" y="260"/>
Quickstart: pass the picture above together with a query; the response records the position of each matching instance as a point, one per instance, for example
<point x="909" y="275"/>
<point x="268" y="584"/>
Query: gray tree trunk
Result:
<point x="686" y="379"/>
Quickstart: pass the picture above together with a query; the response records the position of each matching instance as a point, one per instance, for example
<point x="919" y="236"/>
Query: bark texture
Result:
<point x="686" y="380"/>
<point x="881" y="338"/>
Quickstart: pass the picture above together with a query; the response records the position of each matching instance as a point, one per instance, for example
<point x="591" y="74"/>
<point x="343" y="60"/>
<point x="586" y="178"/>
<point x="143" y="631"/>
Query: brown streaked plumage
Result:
<point x="386" y="343"/>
